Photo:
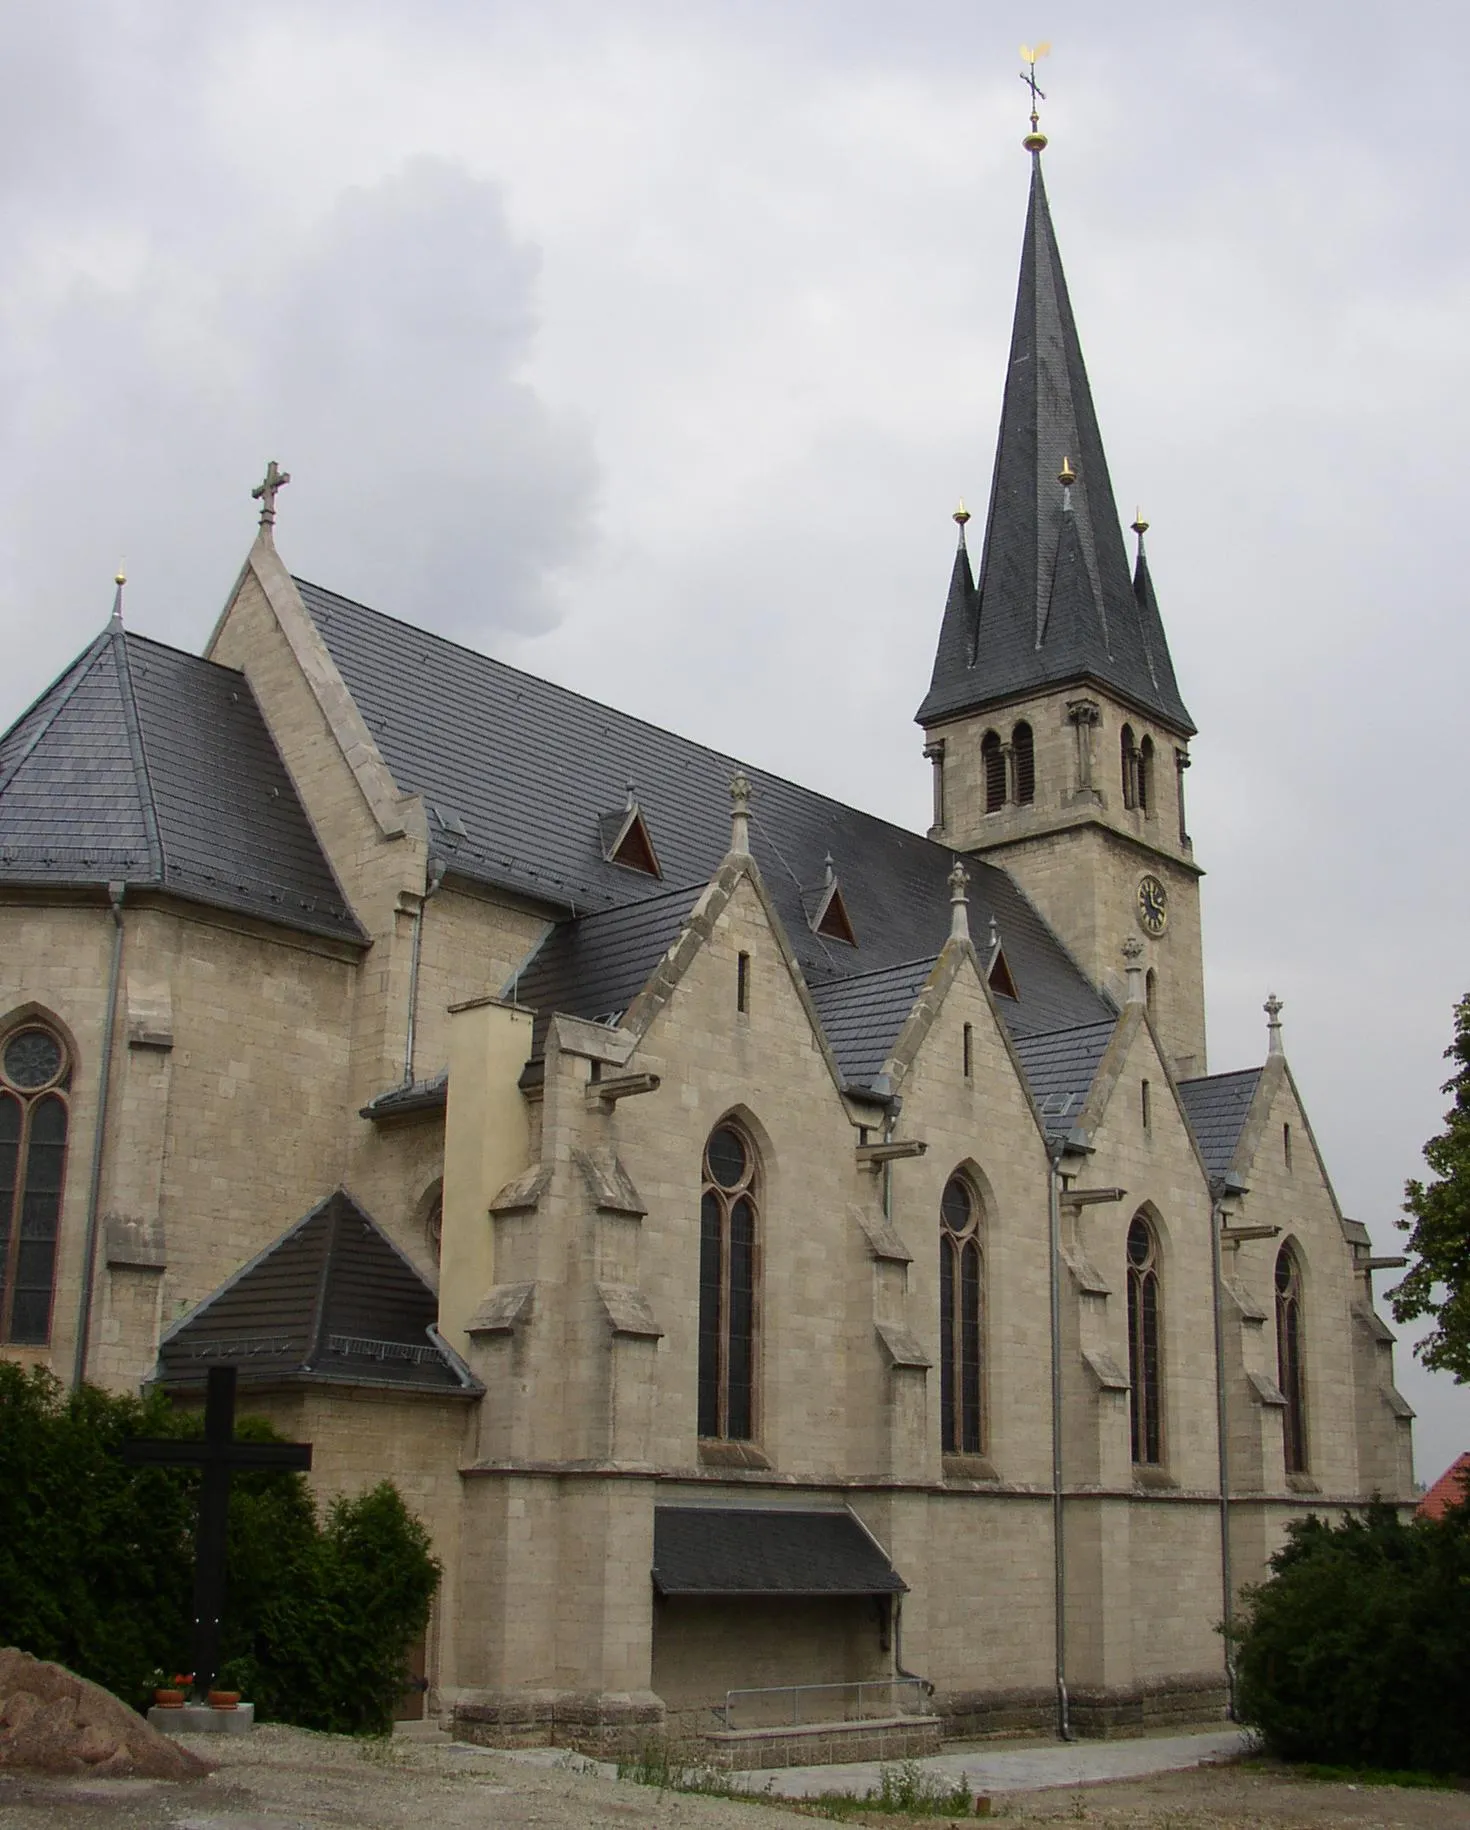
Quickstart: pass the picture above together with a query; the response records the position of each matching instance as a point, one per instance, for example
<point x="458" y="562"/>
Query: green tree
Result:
<point x="1438" y="1283"/>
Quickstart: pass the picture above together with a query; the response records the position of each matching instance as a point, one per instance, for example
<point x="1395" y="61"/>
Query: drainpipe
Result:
<point x="433" y="877"/>
<point x="115" y="892"/>
<point x="1218" y="1191"/>
<point x="1059" y="1555"/>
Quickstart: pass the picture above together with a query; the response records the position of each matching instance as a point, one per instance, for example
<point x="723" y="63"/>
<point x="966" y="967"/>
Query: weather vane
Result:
<point x="1031" y="56"/>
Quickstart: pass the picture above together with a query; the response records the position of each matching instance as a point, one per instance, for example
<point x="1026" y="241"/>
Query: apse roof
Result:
<point x="333" y="1301"/>
<point x="142" y="765"/>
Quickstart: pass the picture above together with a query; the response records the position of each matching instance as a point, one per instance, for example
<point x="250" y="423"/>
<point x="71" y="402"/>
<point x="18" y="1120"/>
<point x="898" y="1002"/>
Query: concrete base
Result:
<point x="200" y="1719"/>
<point x="819" y="1744"/>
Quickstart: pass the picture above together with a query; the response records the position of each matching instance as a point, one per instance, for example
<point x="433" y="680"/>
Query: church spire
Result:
<point x="1054" y="602"/>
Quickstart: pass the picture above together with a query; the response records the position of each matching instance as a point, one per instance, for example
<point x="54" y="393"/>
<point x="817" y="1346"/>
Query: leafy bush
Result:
<point x="97" y="1563"/>
<point x="1354" y="1652"/>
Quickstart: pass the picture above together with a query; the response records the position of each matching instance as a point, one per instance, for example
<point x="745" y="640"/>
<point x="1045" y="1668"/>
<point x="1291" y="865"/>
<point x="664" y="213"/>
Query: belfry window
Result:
<point x="1023" y="750"/>
<point x="961" y="1320"/>
<point x="1144" y="787"/>
<point x="993" y="762"/>
<point x="1145" y="1397"/>
<point x="1289" y="1343"/>
<point x="729" y="1266"/>
<point x="1129" y="763"/>
<point x="35" y="1073"/>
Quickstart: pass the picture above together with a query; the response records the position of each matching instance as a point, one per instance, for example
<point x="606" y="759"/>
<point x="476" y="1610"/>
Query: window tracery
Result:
<point x="961" y="1320"/>
<point x="1289" y="1370"/>
<point x="35" y="1075"/>
<point x="729" y="1269"/>
<point x="1145" y="1397"/>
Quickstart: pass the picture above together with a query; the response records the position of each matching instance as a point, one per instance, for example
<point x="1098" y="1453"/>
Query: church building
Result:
<point x="802" y="1271"/>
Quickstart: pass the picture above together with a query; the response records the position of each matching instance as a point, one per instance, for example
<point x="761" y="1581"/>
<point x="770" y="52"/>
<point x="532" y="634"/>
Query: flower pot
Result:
<point x="224" y="1699"/>
<point x="169" y="1699"/>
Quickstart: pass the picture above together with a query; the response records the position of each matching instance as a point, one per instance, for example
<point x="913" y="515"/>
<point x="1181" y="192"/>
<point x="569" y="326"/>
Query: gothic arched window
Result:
<point x="729" y="1268"/>
<point x="1144" y="1358"/>
<point x="35" y="1072"/>
<point x="1144" y="776"/>
<point x="1023" y="748"/>
<point x="961" y="1320"/>
<point x="993" y="762"/>
<point x="1129" y="764"/>
<point x="1289" y="1344"/>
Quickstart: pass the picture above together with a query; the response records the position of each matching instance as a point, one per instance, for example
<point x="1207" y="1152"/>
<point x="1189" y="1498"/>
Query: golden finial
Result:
<point x="1066" y="476"/>
<point x="961" y="514"/>
<point x="1030" y="54"/>
<point x="119" y="577"/>
<point x="1140" y="526"/>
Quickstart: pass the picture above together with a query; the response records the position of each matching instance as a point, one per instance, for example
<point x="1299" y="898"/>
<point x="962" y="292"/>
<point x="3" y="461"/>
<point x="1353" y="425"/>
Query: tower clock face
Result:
<point x="1153" y="905"/>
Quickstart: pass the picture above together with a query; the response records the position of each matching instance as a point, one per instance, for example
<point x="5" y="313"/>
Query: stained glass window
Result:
<point x="1144" y="1356"/>
<point x="729" y="1286"/>
<point x="34" y="1072"/>
<point x="961" y="1302"/>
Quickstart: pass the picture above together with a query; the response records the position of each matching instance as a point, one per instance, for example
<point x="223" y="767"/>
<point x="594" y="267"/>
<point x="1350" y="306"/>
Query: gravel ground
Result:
<point x="286" y="1779"/>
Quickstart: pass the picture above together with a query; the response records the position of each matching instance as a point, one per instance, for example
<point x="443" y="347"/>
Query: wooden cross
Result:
<point x="264" y="492"/>
<point x="218" y="1456"/>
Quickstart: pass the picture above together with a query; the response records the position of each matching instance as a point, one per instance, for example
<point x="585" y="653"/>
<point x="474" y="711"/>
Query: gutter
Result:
<point x="115" y="893"/>
<point x="1218" y="1191"/>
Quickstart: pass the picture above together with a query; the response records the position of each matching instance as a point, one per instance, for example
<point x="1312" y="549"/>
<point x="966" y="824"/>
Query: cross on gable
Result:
<point x="265" y="491"/>
<point x="218" y="1456"/>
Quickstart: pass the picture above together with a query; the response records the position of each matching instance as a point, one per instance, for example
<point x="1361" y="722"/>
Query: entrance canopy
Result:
<point x="723" y="1551"/>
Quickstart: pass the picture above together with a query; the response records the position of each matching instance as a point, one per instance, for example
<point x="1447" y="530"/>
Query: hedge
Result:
<point x="97" y="1561"/>
<point x="1356" y="1652"/>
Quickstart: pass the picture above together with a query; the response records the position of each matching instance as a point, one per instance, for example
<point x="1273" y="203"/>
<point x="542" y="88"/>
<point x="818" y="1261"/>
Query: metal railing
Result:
<point x="783" y="1705"/>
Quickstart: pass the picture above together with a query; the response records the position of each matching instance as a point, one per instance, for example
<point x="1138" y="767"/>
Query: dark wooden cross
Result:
<point x="264" y="492"/>
<point x="218" y="1456"/>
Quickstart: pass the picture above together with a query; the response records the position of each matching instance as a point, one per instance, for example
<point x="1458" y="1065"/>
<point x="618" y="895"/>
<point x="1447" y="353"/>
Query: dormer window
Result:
<point x="829" y="916"/>
<point x="625" y="840"/>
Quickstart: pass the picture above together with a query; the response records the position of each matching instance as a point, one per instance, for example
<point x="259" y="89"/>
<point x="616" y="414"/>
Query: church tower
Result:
<point x="1053" y="721"/>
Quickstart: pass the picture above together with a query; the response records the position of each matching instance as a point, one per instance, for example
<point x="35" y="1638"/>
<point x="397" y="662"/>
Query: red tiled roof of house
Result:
<point x="1450" y="1489"/>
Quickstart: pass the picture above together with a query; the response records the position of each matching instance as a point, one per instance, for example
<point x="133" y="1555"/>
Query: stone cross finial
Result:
<point x="740" y="815"/>
<point x="264" y="492"/>
<point x="1133" y="960"/>
<point x="1273" y="1008"/>
<point x="959" y="902"/>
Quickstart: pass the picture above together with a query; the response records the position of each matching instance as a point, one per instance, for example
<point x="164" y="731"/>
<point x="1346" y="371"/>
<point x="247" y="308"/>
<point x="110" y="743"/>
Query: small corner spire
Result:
<point x="1140" y="527"/>
<point x="740" y="815"/>
<point x="265" y="491"/>
<point x="960" y="516"/>
<point x="119" y="579"/>
<point x="959" y="902"/>
<point x="1133" y="964"/>
<point x="1035" y="141"/>
<point x="1273" y="1008"/>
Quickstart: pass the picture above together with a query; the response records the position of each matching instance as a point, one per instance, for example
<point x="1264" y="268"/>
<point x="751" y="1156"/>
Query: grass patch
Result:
<point x="904" y="1789"/>
<point x="1376" y="1776"/>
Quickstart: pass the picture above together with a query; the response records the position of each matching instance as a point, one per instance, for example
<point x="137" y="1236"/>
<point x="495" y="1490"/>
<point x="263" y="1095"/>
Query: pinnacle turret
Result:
<point x="1054" y="601"/>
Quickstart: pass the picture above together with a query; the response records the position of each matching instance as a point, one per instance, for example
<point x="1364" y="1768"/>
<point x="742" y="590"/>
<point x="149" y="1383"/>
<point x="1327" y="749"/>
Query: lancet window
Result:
<point x="1144" y="782"/>
<point x="961" y="1320"/>
<point x="35" y="1074"/>
<point x="1023" y="751"/>
<point x="1145" y="1370"/>
<point x="729" y="1285"/>
<point x="1129" y="763"/>
<point x="993" y="762"/>
<point x="1289" y="1371"/>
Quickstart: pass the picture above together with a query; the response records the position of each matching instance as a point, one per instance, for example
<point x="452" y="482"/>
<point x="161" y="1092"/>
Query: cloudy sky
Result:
<point x="649" y="346"/>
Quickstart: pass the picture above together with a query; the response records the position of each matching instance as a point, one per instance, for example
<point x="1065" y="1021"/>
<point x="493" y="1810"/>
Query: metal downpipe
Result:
<point x="433" y="877"/>
<point x="1222" y="1432"/>
<point x="115" y="893"/>
<point x="1059" y="1555"/>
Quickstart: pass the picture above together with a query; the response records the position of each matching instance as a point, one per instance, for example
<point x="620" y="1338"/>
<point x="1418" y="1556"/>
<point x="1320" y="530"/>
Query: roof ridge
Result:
<point x="873" y="972"/>
<point x="1200" y="1080"/>
<point x="138" y="751"/>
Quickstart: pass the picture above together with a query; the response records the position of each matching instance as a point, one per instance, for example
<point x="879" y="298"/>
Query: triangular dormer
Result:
<point x="827" y="910"/>
<point x="626" y="841"/>
<point x="998" y="973"/>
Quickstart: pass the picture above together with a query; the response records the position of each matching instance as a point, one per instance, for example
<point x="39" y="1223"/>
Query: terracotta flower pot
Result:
<point x="169" y="1699"/>
<point x="224" y="1699"/>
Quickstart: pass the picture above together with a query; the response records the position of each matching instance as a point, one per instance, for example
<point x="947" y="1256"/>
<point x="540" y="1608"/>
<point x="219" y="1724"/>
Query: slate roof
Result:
<point x="143" y="765"/>
<point x="1061" y="1066"/>
<point x="518" y="774"/>
<point x="1054" y="601"/>
<point x="862" y="1016"/>
<point x="1217" y="1107"/>
<point x="332" y="1301"/>
<point x="715" y="1550"/>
